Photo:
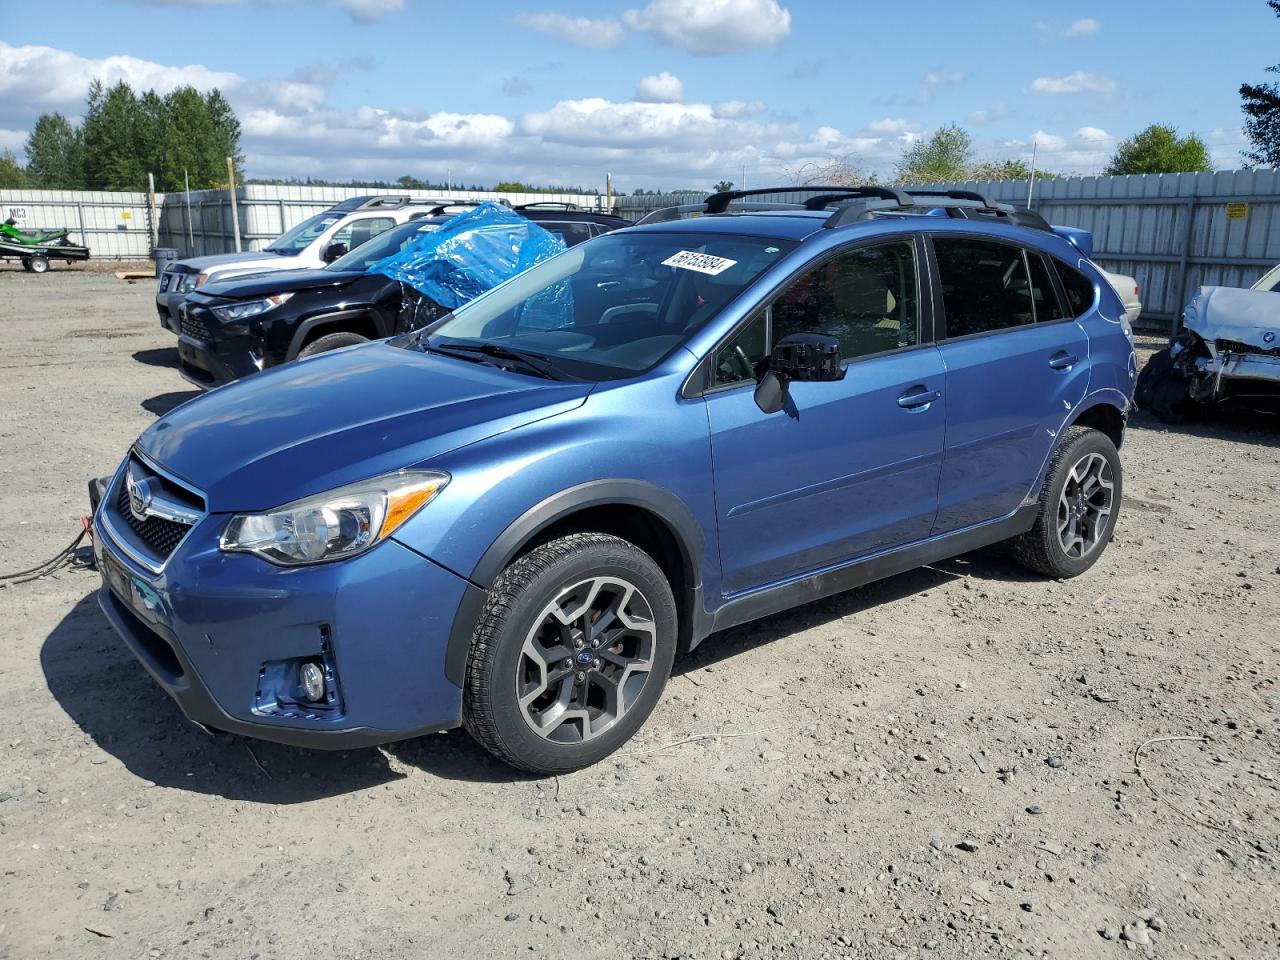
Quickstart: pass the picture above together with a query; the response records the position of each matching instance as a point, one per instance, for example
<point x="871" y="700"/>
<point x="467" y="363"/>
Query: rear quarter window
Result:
<point x="1078" y="287"/>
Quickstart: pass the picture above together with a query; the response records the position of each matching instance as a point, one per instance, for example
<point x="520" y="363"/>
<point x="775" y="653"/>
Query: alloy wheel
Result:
<point x="1085" y="505"/>
<point x="586" y="659"/>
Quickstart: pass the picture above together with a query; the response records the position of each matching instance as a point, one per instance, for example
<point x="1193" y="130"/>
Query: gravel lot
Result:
<point x="941" y="764"/>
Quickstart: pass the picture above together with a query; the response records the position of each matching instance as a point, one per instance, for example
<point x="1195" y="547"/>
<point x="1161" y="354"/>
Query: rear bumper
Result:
<point x="223" y="636"/>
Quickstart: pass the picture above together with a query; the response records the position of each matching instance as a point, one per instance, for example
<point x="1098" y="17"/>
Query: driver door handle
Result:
<point x="1063" y="360"/>
<point x="918" y="396"/>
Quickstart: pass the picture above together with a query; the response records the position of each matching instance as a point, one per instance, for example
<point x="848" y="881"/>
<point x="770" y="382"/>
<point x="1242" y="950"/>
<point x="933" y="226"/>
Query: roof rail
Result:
<point x="719" y="202"/>
<point x="664" y="214"/>
<point x="952" y="195"/>
<point x="549" y="205"/>
<point x="442" y="207"/>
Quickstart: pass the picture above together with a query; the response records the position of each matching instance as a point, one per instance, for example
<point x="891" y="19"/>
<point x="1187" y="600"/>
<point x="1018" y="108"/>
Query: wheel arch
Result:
<point x="1105" y="412"/>
<point x="359" y="320"/>
<point x="654" y="519"/>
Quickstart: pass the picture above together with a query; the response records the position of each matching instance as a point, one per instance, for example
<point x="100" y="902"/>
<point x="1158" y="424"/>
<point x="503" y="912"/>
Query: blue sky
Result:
<point x="659" y="92"/>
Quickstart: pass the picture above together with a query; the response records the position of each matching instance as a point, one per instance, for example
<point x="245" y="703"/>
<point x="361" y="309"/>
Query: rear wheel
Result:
<point x="1079" y="505"/>
<point x="570" y="654"/>
<point x="37" y="264"/>
<point x="331" y="341"/>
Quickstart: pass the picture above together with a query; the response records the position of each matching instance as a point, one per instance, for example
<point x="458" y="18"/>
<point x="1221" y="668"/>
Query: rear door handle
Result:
<point x="1063" y="360"/>
<point x="918" y="396"/>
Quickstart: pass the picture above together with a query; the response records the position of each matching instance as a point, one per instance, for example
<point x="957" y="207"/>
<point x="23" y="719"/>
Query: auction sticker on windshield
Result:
<point x="701" y="262"/>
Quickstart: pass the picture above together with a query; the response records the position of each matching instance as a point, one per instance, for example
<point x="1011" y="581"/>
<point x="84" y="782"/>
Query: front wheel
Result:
<point x="331" y="341"/>
<point x="570" y="654"/>
<point x="1079" y="505"/>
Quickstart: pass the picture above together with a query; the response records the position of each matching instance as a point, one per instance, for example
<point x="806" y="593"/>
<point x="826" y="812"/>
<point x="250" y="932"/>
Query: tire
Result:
<point x="331" y="341"/>
<point x="1079" y="453"/>
<point x="575" y="575"/>
<point x="37" y="264"/>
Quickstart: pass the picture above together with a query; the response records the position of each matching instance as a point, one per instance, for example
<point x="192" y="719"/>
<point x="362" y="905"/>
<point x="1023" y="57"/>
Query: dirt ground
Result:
<point x="942" y="764"/>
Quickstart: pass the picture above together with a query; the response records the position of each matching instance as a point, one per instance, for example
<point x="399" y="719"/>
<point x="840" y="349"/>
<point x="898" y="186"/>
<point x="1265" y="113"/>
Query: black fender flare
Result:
<point x="320" y="319"/>
<point x="661" y="503"/>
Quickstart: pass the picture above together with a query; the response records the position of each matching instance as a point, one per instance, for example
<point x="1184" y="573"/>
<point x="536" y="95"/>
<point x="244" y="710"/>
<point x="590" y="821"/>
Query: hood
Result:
<point x="1229" y="313"/>
<point x="254" y="285"/>
<point x="343" y="416"/>
<point x="201" y="264"/>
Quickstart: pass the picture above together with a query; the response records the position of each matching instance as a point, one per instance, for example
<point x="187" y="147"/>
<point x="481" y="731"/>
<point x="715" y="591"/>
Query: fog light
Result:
<point x="312" y="677"/>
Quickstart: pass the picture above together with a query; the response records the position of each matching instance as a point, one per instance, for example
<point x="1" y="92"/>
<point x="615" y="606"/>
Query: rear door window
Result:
<point x="356" y="232"/>
<point x="985" y="286"/>
<point x="572" y="232"/>
<point x="1043" y="294"/>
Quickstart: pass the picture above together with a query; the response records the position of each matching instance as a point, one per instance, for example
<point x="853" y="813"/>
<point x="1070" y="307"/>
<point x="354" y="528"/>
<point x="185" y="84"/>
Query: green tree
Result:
<point x="11" y="173"/>
<point x="189" y="143"/>
<point x="54" y="157"/>
<point x="724" y="186"/>
<point x="226" y="137"/>
<point x="114" y="154"/>
<point x="944" y="155"/>
<point x="1261" y="105"/>
<point x="411" y="183"/>
<point x="1159" y="149"/>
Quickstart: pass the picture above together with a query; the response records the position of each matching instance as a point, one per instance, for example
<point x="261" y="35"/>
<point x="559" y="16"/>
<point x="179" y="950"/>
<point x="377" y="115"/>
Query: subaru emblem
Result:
<point x="1268" y="337"/>
<point x="140" y="497"/>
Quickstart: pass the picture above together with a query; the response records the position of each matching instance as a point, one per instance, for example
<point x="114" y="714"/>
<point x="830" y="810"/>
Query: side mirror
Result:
<point x="333" y="251"/>
<point x="798" y="356"/>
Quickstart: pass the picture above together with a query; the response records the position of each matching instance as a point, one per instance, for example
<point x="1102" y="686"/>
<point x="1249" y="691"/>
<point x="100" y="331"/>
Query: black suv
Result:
<point x="232" y="329"/>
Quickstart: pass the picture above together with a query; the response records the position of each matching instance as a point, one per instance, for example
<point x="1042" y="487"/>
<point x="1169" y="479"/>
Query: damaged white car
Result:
<point x="1228" y="353"/>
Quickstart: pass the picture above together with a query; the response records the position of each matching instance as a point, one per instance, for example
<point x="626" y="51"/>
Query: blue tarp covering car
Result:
<point x="471" y="253"/>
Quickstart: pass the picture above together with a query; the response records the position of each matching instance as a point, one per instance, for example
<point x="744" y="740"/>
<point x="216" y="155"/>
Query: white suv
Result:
<point x="314" y="242"/>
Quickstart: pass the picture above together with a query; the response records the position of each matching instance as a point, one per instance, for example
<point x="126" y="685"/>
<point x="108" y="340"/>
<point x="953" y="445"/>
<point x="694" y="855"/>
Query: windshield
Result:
<point x="614" y="306"/>
<point x="382" y="246"/>
<point x="304" y="234"/>
<point x="1269" y="280"/>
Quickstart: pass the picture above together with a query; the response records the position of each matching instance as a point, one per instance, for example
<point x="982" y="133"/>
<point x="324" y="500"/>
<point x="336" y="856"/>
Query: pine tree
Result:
<point x="55" y="159"/>
<point x="111" y="128"/>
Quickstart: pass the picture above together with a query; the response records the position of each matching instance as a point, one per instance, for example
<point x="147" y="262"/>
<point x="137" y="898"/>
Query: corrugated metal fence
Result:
<point x="1171" y="232"/>
<point x="113" y="225"/>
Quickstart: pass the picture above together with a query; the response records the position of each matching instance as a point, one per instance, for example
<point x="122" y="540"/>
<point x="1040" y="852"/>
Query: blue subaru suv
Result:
<point x="512" y="519"/>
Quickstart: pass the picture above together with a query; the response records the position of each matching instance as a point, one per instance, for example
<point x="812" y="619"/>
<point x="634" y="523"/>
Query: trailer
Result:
<point x="36" y="248"/>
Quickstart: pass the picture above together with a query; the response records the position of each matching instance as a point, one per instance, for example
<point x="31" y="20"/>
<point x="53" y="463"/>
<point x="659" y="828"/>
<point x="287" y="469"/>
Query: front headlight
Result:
<point x="250" y="308"/>
<point x="184" y="282"/>
<point x="334" y="525"/>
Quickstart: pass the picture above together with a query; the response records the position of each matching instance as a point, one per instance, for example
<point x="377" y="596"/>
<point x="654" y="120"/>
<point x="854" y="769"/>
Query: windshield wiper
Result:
<point x="532" y="361"/>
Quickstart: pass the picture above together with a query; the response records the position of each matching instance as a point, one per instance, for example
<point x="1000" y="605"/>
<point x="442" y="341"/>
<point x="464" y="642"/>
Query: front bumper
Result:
<point x="213" y="630"/>
<point x="168" y="304"/>
<point x="207" y="356"/>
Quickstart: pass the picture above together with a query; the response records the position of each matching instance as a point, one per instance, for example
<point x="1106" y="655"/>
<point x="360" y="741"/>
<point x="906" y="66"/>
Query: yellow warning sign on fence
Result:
<point x="1237" y="211"/>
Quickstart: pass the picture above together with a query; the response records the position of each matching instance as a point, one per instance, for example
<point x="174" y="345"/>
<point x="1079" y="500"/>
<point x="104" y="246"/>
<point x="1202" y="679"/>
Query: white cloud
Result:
<point x="660" y="88"/>
<point x="1083" y="28"/>
<point x="580" y="31"/>
<point x="739" y="108"/>
<point x="1079" y="82"/>
<point x="291" y="130"/>
<point x="990" y="115"/>
<point x="892" y="126"/>
<point x="1048" y="141"/>
<point x="1093" y="134"/>
<point x="709" y="28"/>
